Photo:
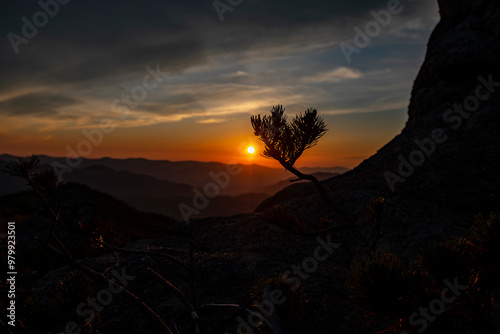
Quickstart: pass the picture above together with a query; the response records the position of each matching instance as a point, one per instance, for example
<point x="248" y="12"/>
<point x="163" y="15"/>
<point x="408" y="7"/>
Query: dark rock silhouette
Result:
<point x="464" y="170"/>
<point x="455" y="177"/>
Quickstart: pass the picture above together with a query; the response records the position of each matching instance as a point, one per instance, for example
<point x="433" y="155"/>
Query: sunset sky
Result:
<point x="68" y="77"/>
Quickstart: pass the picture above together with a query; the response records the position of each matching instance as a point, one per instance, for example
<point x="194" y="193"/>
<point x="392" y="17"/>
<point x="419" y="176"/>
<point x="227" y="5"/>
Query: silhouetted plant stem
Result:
<point x="116" y="265"/>
<point x="192" y="278"/>
<point x="182" y="297"/>
<point x="322" y="192"/>
<point x="286" y="141"/>
<point x="5" y="326"/>
<point x="149" y="253"/>
<point x="26" y="168"/>
<point x="326" y="198"/>
<point x="55" y="217"/>
<point x="101" y="277"/>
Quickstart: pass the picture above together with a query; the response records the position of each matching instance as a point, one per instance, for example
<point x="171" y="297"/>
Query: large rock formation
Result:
<point x="444" y="167"/>
<point x="463" y="170"/>
<point x="457" y="163"/>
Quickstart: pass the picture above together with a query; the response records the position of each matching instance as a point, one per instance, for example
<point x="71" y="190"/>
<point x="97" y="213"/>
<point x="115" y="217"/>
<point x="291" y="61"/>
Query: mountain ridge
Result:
<point x="251" y="179"/>
<point x="149" y="194"/>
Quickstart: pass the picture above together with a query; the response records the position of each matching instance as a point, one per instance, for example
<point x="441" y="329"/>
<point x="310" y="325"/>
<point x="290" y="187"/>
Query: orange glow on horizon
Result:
<point x="217" y="142"/>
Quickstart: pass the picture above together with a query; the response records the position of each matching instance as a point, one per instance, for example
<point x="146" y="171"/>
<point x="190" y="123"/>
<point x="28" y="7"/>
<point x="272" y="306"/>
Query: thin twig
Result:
<point x="131" y="296"/>
<point x="179" y="293"/>
<point x="192" y="278"/>
<point x="221" y="305"/>
<point x="149" y="253"/>
<point x="182" y="297"/>
<point x="97" y="276"/>
<point x="116" y="265"/>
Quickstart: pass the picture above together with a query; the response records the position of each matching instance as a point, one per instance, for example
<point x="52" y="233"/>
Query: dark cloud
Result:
<point x="36" y="104"/>
<point x="95" y="51"/>
<point x="93" y="39"/>
<point x="173" y="104"/>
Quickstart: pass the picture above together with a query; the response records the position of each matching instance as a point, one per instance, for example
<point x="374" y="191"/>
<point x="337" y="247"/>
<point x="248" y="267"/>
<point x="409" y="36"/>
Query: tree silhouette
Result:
<point x="286" y="141"/>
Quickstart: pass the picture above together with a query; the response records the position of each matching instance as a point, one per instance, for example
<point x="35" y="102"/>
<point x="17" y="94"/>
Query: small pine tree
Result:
<point x="286" y="141"/>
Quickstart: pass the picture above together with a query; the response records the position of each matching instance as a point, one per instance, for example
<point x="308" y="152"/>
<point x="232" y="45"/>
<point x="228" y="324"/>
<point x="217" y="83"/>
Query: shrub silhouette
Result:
<point x="447" y="259"/>
<point x="47" y="186"/>
<point x="286" y="316"/>
<point x="484" y="239"/>
<point x="286" y="141"/>
<point x="54" y="312"/>
<point x="383" y="287"/>
<point x="279" y="215"/>
<point x="389" y="293"/>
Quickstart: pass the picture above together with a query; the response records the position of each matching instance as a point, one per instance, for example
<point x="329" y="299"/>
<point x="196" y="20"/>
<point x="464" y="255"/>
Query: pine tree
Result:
<point x="286" y="141"/>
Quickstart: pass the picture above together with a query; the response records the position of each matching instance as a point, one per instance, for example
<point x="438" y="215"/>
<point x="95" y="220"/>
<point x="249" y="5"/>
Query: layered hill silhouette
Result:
<point x="121" y="222"/>
<point x="161" y="186"/>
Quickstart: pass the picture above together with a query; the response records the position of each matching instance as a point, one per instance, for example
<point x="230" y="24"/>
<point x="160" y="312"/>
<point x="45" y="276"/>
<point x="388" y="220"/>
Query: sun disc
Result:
<point x="251" y="149"/>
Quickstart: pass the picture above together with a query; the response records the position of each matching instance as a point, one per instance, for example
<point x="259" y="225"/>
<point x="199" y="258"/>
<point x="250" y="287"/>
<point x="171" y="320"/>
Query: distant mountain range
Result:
<point x="161" y="186"/>
<point x="80" y="203"/>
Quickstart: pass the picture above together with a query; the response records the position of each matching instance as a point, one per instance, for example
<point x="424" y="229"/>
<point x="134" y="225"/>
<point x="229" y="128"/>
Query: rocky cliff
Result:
<point x="449" y="150"/>
<point x="448" y="154"/>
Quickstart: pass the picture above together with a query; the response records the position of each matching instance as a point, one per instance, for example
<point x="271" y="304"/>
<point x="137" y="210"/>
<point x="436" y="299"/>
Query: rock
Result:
<point x="451" y="160"/>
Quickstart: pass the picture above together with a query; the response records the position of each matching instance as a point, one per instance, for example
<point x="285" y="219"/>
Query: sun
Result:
<point x="251" y="150"/>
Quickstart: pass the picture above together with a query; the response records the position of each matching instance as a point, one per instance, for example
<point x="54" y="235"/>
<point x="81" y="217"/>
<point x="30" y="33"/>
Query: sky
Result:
<point x="179" y="80"/>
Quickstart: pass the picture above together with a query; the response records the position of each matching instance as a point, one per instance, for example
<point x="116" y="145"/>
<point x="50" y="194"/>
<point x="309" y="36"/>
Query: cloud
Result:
<point x="265" y="52"/>
<point x="91" y="40"/>
<point x="39" y="103"/>
<point x="171" y="103"/>
<point x="211" y="120"/>
<point x="236" y="75"/>
<point x="336" y="75"/>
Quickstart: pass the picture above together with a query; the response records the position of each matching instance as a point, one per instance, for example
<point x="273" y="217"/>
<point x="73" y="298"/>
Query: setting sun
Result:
<point x="251" y="149"/>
